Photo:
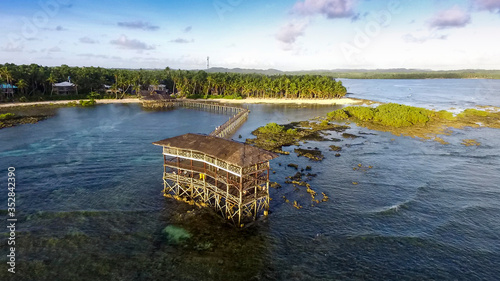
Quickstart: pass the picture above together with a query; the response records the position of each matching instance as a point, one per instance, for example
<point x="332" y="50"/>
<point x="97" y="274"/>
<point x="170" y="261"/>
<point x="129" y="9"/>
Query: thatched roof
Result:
<point x="235" y="153"/>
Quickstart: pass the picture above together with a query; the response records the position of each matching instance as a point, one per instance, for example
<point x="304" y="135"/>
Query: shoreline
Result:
<point x="62" y="102"/>
<point x="341" y="101"/>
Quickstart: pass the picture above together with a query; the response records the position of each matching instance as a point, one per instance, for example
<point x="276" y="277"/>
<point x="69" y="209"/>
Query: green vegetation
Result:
<point x="273" y="136"/>
<point x="414" y="121"/>
<point x="473" y="112"/>
<point x="273" y="128"/>
<point x="10" y="120"/>
<point x="35" y="83"/>
<point x="407" y="74"/>
<point x="7" y="116"/>
<point x="391" y="114"/>
<point x="91" y="101"/>
<point x="86" y="103"/>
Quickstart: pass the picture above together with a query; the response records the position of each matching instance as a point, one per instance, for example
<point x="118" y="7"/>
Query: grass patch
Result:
<point x="7" y="116"/>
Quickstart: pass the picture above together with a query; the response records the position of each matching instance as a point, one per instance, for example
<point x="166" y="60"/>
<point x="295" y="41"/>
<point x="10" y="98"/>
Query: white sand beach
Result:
<point x="341" y="101"/>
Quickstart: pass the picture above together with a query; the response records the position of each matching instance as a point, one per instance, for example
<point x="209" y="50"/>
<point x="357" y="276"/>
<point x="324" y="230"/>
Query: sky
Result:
<point x="280" y="34"/>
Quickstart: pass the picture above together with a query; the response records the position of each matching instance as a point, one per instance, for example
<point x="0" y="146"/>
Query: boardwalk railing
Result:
<point x="223" y="131"/>
<point x="227" y="129"/>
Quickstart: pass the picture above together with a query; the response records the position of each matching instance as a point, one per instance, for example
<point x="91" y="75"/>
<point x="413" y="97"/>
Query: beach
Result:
<point x="340" y="101"/>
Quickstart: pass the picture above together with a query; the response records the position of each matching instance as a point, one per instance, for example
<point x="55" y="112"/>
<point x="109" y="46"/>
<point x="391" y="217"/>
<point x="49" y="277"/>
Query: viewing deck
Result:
<point x="230" y="176"/>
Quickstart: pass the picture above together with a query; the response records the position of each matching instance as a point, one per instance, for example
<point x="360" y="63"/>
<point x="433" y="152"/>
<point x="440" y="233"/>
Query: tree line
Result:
<point x="35" y="82"/>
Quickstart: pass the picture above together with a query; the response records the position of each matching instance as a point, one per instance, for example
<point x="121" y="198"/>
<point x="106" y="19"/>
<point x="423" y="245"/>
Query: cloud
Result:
<point x="182" y="41"/>
<point x="329" y="8"/>
<point x="89" y="55"/>
<point x="87" y="40"/>
<point x="451" y="18"/>
<point x="490" y="5"/>
<point x="131" y="44"/>
<point x="54" y="50"/>
<point x="410" y="38"/>
<point x="139" y="25"/>
<point x="12" y="48"/>
<point x="290" y="32"/>
<point x="57" y="28"/>
<point x="188" y="29"/>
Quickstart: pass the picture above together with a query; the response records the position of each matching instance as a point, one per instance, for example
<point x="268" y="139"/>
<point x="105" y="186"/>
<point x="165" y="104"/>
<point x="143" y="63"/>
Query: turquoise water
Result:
<point x="89" y="202"/>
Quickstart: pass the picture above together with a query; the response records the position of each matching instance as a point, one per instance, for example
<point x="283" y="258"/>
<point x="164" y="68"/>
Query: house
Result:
<point x="7" y="90"/>
<point x="161" y="87"/>
<point x="65" y="88"/>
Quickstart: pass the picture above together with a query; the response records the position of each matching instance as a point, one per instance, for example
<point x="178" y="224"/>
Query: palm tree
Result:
<point x="21" y="84"/>
<point x="137" y="89"/>
<point x="155" y="83"/>
<point x="4" y="72"/>
<point x="51" y="80"/>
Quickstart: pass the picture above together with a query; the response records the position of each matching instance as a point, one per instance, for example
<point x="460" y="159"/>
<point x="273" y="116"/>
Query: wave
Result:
<point x="393" y="209"/>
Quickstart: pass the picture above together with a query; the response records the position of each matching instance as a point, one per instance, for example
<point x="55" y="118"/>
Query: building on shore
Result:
<point x="231" y="177"/>
<point x="7" y="90"/>
<point x="65" y="88"/>
<point x="159" y="87"/>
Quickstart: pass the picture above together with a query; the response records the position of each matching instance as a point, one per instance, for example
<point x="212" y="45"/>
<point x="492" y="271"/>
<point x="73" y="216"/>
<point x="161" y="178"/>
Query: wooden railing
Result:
<point x="225" y="130"/>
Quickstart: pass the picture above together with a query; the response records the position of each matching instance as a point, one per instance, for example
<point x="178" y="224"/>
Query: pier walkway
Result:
<point x="225" y="130"/>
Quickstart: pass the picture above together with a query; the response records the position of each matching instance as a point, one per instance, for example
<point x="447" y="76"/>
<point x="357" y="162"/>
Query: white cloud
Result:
<point x="330" y="8"/>
<point x="89" y="55"/>
<point x="490" y="5"/>
<point x="289" y="33"/>
<point x="12" y="48"/>
<point x="54" y="50"/>
<point x="182" y="41"/>
<point x="139" y="25"/>
<point x="131" y="44"/>
<point x="410" y="38"/>
<point x="87" y="40"/>
<point x="451" y="18"/>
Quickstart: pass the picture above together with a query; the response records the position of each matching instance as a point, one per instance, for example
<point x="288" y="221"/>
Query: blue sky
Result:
<point x="281" y="34"/>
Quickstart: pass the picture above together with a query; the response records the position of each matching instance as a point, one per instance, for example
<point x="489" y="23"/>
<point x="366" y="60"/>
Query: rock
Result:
<point x="335" y="148"/>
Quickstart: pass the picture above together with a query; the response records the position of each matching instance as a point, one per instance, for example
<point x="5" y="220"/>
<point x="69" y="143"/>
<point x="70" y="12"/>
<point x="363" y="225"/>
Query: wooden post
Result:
<point x="227" y="192"/>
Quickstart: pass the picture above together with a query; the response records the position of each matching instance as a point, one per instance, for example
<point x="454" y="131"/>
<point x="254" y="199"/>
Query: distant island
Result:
<point x="393" y="73"/>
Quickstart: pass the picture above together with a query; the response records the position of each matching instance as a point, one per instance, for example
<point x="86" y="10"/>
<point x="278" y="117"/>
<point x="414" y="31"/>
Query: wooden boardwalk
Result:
<point x="225" y="130"/>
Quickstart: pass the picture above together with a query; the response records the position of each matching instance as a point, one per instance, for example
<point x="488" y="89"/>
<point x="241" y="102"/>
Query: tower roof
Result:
<point x="236" y="153"/>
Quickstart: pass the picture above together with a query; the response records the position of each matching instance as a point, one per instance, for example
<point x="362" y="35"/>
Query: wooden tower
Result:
<point x="231" y="177"/>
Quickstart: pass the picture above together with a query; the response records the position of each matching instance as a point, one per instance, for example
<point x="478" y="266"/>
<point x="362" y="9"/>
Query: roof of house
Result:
<point x="236" y="153"/>
<point x="7" y="86"/>
<point x="155" y="96"/>
<point x="64" y="84"/>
